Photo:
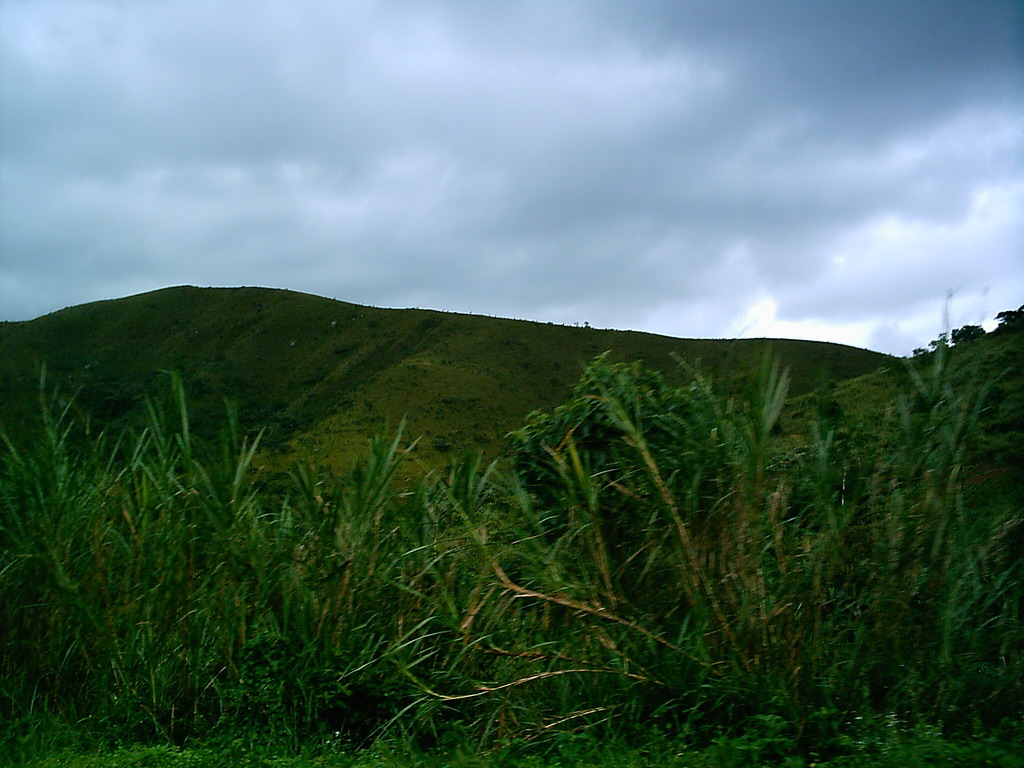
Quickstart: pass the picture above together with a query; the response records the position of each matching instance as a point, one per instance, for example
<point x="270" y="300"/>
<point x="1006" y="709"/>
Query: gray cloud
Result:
<point x="802" y="168"/>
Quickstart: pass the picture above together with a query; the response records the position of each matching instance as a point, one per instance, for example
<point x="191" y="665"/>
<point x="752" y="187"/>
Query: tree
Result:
<point x="1010" y="320"/>
<point x="967" y="333"/>
<point x="940" y="343"/>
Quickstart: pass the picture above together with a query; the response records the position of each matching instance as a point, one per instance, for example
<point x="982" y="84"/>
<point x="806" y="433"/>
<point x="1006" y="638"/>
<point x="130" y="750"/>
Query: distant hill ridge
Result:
<point x="322" y="375"/>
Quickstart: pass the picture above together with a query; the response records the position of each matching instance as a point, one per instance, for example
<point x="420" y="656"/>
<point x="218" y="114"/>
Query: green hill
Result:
<point x="322" y="376"/>
<point x="680" y="575"/>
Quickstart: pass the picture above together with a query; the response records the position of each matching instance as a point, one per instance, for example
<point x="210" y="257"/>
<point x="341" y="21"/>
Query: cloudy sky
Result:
<point x="826" y="170"/>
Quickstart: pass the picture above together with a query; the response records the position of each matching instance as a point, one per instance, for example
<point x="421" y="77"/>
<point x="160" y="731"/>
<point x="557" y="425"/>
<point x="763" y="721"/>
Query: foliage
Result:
<point x="146" y="587"/>
<point x="939" y="343"/>
<point x="1011" y="320"/>
<point x="657" y="561"/>
<point x="966" y="334"/>
<point x="584" y="436"/>
<point x="321" y="377"/>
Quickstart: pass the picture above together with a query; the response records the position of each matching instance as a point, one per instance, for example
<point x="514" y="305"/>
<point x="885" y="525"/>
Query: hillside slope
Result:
<point x="322" y="375"/>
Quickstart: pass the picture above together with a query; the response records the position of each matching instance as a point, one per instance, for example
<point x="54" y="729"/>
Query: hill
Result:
<point x="322" y="376"/>
<point x="681" y="575"/>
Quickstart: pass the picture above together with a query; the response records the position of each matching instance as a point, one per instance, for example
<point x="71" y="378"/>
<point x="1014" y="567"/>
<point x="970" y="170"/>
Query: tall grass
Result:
<point x="147" y="582"/>
<point x="675" y="573"/>
<point x="737" y="589"/>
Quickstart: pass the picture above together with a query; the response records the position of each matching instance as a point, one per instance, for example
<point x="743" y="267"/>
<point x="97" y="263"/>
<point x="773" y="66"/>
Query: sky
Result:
<point x="840" y="171"/>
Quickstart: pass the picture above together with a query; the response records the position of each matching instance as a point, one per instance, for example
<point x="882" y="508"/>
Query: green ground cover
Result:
<point x="321" y="377"/>
<point x="653" y="575"/>
<point x="883" y="748"/>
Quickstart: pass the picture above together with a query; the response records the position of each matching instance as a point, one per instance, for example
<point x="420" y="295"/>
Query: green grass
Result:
<point x="322" y="377"/>
<point x="662" y="579"/>
<point x="881" y="748"/>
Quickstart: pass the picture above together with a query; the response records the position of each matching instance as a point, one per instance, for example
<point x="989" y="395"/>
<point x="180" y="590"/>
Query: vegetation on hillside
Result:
<point x="321" y="377"/>
<point x="656" y="564"/>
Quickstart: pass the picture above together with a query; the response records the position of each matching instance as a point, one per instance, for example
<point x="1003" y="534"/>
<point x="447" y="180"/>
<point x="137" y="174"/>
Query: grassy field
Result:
<point x="657" y="572"/>
<point x="322" y="377"/>
<point x="922" y="748"/>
